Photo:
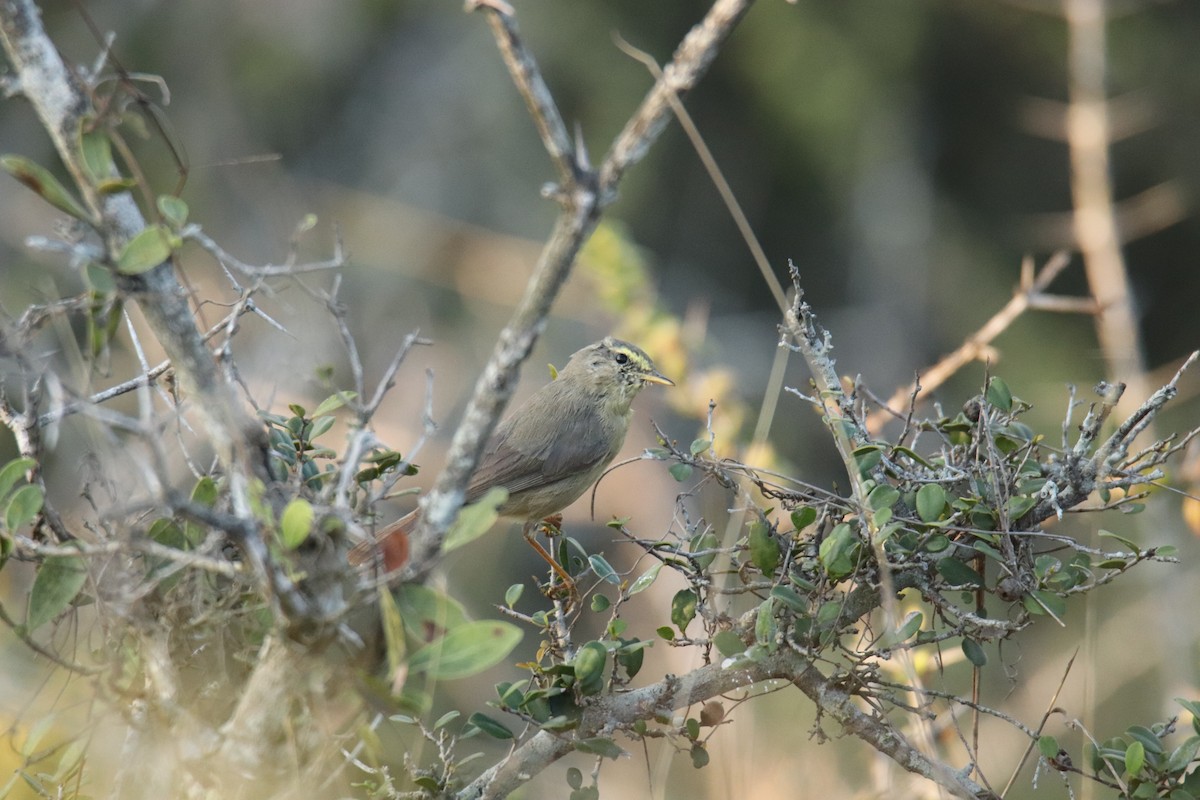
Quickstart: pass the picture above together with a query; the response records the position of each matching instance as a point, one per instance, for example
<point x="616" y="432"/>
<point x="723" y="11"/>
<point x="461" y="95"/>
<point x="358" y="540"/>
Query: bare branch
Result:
<point x="581" y="211"/>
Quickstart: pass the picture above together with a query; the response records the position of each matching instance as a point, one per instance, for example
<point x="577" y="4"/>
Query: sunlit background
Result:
<point x="905" y="156"/>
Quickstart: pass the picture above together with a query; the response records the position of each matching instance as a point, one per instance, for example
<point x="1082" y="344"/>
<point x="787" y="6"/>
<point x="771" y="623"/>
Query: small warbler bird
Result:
<point x="552" y="447"/>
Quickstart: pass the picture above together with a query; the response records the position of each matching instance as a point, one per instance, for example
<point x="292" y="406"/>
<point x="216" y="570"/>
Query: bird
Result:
<point x="550" y="449"/>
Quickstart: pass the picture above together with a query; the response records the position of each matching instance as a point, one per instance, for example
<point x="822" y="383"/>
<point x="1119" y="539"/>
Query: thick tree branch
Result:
<point x="612" y="713"/>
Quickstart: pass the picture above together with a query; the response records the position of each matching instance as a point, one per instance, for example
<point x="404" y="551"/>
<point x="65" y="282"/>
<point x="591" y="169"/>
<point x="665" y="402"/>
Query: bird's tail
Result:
<point x="389" y="549"/>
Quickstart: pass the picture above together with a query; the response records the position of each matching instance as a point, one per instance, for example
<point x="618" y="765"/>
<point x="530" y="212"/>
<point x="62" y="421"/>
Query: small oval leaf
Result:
<point x="466" y="650"/>
<point x="728" y="643"/>
<point x="999" y="395"/>
<point x="43" y="182"/>
<point x="493" y="728"/>
<point x="680" y="472"/>
<point x="645" y="580"/>
<point x="883" y="496"/>
<point x="56" y="585"/>
<point x="589" y="668"/>
<point x="23" y="506"/>
<point x="683" y="609"/>
<point x="604" y="570"/>
<point x="1048" y="747"/>
<point x="174" y="210"/>
<point x="295" y="523"/>
<point x="12" y="472"/>
<point x="145" y="251"/>
<point x="931" y="502"/>
<point x="476" y="519"/>
<point x="1135" y="758"/>
<point x="957" y="573"/>
<point x="764" y="550"/>
<point x="974" y="653"/>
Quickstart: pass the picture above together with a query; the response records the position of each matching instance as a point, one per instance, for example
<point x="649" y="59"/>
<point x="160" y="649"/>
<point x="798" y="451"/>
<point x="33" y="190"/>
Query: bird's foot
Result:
<point x="564" y="583"/>
<point x="551" y="525"/>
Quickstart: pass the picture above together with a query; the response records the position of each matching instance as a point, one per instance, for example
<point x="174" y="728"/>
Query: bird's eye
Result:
<point x="622" y="358"/>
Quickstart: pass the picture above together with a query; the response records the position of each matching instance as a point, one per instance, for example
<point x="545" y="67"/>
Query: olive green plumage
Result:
<point x="558" y="442"/>
<point x="553" y="446"/>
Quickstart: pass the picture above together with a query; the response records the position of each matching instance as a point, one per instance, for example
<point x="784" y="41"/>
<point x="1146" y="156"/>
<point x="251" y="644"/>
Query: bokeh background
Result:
<point x="905" y="156"/>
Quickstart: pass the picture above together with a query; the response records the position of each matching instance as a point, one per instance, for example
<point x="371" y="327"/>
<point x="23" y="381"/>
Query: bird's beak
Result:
<point x="654" y="376"/>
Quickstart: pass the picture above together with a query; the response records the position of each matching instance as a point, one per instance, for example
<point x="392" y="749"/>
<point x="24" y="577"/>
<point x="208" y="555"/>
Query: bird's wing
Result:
<point x="577" y="445"/>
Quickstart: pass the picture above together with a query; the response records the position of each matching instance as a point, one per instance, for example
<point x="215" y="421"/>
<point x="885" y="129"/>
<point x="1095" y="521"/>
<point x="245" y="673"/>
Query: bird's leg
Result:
<point x="528" y="531"/>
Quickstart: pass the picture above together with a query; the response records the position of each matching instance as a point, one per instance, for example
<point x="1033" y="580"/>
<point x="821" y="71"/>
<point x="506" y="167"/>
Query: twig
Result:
<point x="1029" y="295"/>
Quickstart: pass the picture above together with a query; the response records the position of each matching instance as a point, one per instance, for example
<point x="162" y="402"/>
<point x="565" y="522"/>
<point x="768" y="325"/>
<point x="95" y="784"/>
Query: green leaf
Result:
<point x="975" y="654"/>
<point x="912" y="624"/>
<point x="145" y="251"/>
<point x="882" y="496"/>
<point x="476" y="519"/>
<point x="589" y="668"/>
<point x="1192" y="708"/>
<point x="393" y="629"/>
<point x="1183" y="755"/>
<point x="1019" y="505"/>
<point x="1135" y="758"/>
<point x="699" y="446"/>
<point x="699" y="756"/>
<point x="174" y="210"/>
<point x="428" y="613"/>
<point x="600" y="603"/>
<point x="644" y="580"/>
<point x="957" y="573"/>
<point x="931" y="502"/>
<point x="99" y="279"/>
<point x="466" y="650"/>
<point x="12" y="472"/>
<point x="764" y="550"/>
<point x="604" y="570"/>
<point x="492" y="727"/>
<point x="728" y="643"/>
<point x="803" y="517"/>
<point x="631" y="655"/>
<point x="666" y="632"/>
<point x="96" y="150"/>
<point x="41" y="181"/>
<point x="574" y="778"/>
<point x="867" y="457"/>
<point x="56" y="585"/>
<point x="513" y="594"/>
<point x="837" y="552"/>
<point x="446" y="719"/>
<point x="321" y="425"/>
<point x="683" y="609"/>
<point x="333" y="402"/>
<point x="937" y="543"/>
<point x="791" y="598"/>
<point x="1147" y="737"/>
<point x="680" y="472"/>
<point x="1042" y="602"/>
<point x="999" y="395"/>
<point x="1132" y="545"/>
<point x="599" y="746"/>
<point x="704" y="543"/>
<point x="295" y="523"/>
<point x="1048" y="747"/>
<point x="23" y="506"/>
<point x="765" y="627"/>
